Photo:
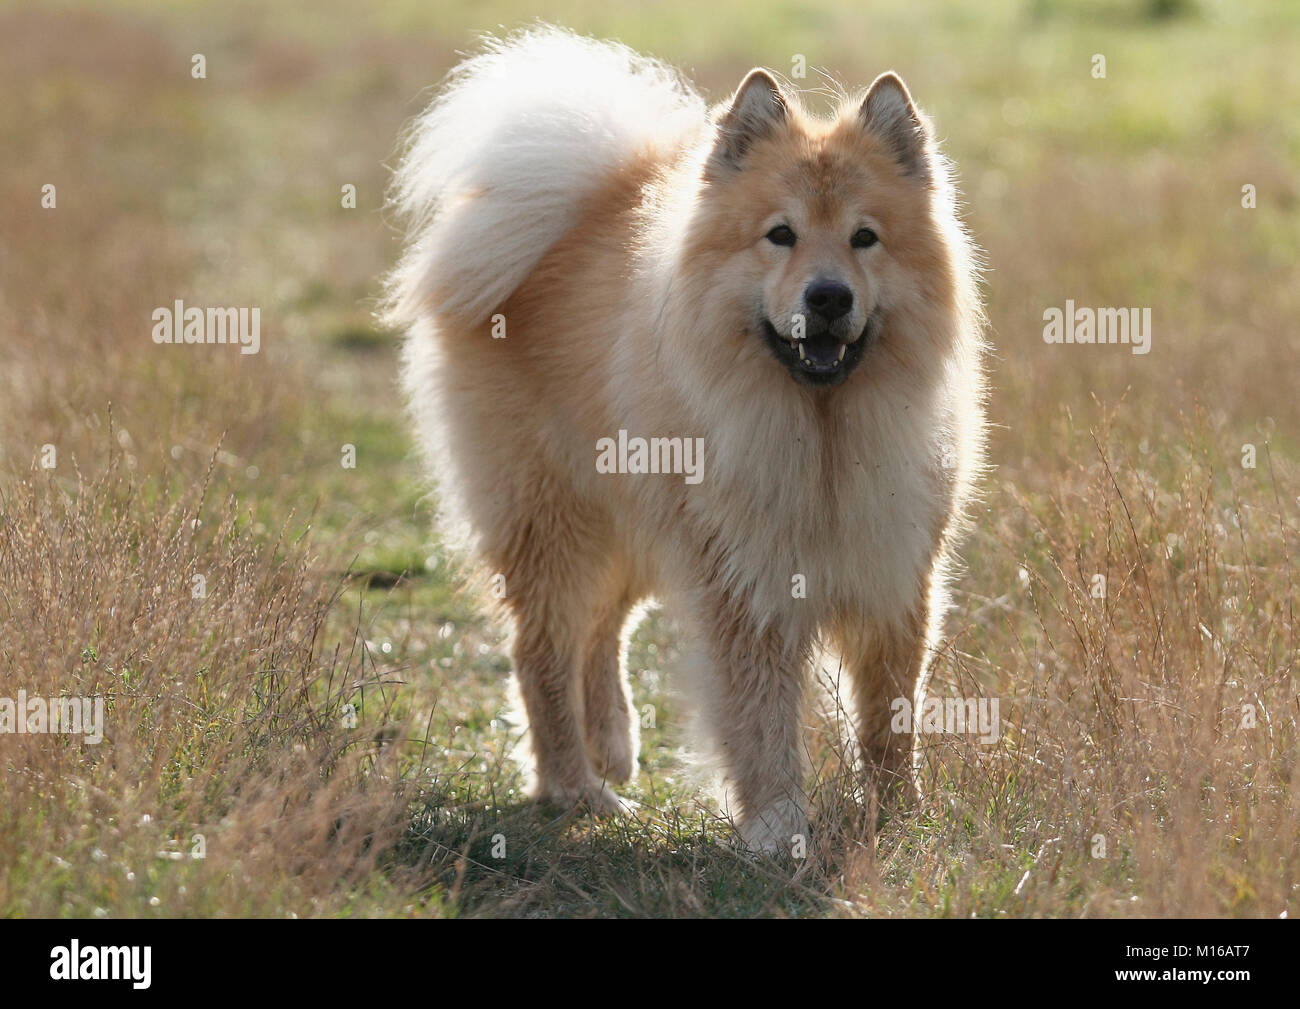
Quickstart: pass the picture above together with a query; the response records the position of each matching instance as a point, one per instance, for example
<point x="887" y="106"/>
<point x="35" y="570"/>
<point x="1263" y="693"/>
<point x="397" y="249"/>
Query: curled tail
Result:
<point x="496" y="168"/>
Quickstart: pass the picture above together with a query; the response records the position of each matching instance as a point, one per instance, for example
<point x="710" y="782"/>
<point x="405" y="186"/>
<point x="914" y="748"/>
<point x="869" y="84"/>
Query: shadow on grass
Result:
<point x="534" y="859"/>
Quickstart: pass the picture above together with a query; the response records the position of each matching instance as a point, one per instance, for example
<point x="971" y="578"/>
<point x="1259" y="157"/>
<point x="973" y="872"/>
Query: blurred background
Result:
<point x="1125" y="190"/>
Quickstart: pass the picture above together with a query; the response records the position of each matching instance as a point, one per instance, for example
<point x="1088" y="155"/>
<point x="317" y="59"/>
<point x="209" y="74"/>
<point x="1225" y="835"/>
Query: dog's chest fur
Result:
<point x="814" y="515"/>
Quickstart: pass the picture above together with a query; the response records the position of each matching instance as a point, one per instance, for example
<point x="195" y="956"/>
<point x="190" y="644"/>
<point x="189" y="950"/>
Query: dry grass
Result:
<point x="1149" y="736"/>
<point x="224" y="712"/>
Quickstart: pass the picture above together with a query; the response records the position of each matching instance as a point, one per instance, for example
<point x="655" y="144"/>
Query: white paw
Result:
<point x="616" y="760"/>
<point x="603" y="800"/>
<point x="599" y="798"/>
<point x="780" y="829"/>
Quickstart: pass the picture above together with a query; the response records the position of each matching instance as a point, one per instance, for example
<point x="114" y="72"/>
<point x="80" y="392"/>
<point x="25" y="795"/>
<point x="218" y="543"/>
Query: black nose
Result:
<point x="828" y="298"/>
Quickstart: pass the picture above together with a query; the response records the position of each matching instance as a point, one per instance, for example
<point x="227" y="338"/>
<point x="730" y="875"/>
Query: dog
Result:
<point x="729" y="358"/>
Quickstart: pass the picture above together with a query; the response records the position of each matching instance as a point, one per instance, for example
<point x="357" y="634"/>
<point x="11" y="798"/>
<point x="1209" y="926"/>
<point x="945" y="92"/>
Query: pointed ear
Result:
<point x="888" y="112"/>
<point x="757" y="109"/>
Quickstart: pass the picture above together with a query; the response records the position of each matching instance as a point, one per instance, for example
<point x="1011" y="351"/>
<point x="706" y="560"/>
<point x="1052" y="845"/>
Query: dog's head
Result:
<point x="816" y="230"/>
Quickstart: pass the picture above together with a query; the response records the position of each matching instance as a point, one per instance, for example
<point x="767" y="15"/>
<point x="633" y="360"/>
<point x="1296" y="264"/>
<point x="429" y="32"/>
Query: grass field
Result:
<point x="180" y="536"/>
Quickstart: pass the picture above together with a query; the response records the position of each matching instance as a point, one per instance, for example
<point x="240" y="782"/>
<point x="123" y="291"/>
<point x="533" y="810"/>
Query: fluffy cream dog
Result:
<point x="603" y="276"/>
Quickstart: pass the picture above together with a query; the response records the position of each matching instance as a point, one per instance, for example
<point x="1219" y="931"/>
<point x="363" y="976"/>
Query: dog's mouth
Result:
<point x="823" y="359"/>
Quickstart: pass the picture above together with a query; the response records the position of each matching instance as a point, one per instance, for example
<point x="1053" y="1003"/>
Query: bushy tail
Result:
<point x="497" y="166"/>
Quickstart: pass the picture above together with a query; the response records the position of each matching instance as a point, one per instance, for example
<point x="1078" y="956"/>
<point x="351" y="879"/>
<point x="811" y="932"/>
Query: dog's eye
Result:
<point x="864" y="238"/>
<point x="781" y="235"/>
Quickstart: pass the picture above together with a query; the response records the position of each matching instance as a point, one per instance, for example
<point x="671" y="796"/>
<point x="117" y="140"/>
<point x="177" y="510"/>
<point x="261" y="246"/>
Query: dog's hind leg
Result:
<point x="553" y="566"/>
<point x="607" y="719"/>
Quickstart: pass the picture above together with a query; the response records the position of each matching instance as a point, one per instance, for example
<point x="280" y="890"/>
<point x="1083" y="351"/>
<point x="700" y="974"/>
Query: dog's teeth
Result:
<point x="801" y="353"/>
<point x="843" y="348"/>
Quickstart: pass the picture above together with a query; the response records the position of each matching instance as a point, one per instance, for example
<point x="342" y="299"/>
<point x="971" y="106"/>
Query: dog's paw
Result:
<point x="594" y="796"/>
<point x="604" y="801"/>
<point x="776" y="830"/>
<point x="893" y="789"/>
<point x="613" y="754"/>
<point x="607" y="802"/>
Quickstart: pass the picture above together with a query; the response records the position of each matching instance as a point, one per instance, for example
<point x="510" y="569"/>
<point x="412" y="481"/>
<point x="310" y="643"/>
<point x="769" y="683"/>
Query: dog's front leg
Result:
<point x="757" y="686"/>
<point x="886" y="666"/>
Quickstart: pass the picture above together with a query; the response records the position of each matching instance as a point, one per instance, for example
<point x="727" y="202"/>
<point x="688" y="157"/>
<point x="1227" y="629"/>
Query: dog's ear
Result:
<point x="757" y="108"/>
<point x="888" y="112"/>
